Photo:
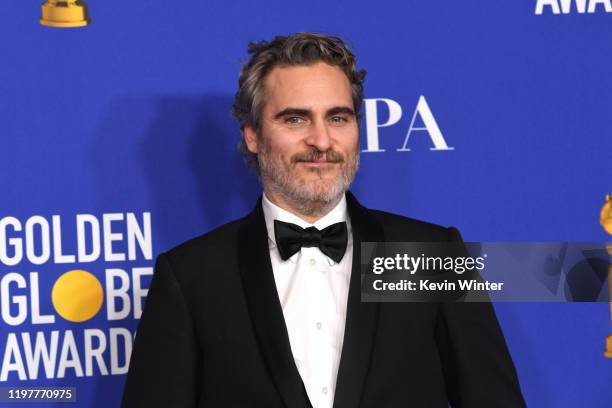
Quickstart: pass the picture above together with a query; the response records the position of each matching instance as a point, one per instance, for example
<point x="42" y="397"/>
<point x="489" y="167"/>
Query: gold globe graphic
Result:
<point x="77" y="296"/>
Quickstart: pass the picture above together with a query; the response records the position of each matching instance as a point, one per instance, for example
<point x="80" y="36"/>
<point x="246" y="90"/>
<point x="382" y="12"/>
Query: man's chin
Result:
<point x="319" y="190"/>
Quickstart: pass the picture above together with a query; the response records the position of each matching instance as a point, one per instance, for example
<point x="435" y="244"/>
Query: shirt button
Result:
<point x="312" y="262"/>
<point x="319" y="325"/>
<point x="324" y="390"/>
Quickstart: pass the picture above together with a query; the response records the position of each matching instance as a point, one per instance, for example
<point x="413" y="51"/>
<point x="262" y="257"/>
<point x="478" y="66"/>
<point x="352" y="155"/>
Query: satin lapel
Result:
<point x="361" y="318"/>
<point x="266" y="311"/>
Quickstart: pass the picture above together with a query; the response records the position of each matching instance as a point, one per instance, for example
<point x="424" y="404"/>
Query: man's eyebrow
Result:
<point x="341" y="109"/>
<point x="307" y="112"/>
<point x="292" y="111"/>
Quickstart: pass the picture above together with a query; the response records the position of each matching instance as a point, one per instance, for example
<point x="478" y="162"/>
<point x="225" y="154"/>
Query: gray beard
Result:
<point x="312" y="199"/>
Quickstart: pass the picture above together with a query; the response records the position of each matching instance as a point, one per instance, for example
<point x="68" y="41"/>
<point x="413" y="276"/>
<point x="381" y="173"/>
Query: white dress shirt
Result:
<point x="313" y="292"/>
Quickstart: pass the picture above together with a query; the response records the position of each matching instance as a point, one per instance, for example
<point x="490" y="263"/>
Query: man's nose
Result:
<point x="319" y="136"/>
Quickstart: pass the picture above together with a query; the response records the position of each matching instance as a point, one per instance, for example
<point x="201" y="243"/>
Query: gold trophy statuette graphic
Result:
<point x="64" y="13"/>
<point x="606" y="223"/>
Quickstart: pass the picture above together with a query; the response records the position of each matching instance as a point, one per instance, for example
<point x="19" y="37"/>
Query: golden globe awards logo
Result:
<point x="59" y="277"/>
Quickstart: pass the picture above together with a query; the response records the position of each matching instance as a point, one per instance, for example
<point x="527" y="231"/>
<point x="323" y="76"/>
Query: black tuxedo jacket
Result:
<point x="212" y="333"/>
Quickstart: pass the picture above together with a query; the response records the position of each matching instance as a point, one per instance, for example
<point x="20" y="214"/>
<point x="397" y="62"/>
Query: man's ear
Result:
<point x="250" y="138"/>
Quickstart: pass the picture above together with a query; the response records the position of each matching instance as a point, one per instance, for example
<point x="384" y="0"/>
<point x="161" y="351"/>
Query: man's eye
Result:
<point x="294" y="120"/>
<point x="338" y="119"/>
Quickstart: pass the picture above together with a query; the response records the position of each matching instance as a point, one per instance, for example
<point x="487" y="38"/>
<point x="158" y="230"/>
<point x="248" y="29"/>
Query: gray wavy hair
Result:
<point x="297" y="49"/>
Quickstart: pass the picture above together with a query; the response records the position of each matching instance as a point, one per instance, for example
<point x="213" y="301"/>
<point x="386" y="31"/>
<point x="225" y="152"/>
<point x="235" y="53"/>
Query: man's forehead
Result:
<point x="308" y="86"/>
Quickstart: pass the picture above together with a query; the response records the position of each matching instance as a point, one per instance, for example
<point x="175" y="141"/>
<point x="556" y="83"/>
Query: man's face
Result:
<point x="308" y="141"/>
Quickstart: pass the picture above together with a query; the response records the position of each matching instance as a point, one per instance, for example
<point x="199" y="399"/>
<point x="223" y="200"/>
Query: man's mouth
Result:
<point x="318" y="162"/>
<point x="321" y="160"/>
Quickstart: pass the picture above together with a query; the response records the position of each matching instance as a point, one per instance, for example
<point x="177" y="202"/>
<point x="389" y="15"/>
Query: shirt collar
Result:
<point x="273" y="212"/>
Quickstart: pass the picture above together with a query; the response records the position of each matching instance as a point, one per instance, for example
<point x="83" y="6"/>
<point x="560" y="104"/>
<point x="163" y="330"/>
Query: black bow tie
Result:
<point x="331" y="240"/>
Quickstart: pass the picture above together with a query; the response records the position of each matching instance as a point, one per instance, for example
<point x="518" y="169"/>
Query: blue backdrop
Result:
<point x="131" y="116"/>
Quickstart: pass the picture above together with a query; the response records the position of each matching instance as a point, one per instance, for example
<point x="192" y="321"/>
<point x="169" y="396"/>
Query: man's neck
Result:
<point x="316" y="210"/>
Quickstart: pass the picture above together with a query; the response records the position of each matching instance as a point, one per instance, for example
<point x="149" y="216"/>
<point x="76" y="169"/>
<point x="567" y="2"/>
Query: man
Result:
<point x="265" y="311"/>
